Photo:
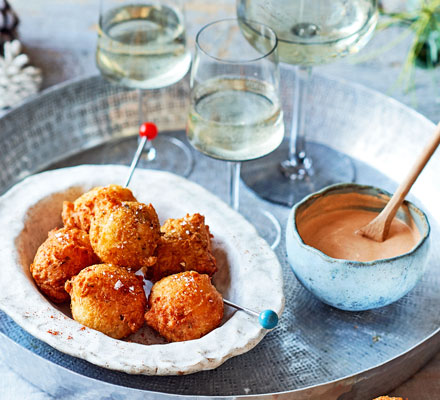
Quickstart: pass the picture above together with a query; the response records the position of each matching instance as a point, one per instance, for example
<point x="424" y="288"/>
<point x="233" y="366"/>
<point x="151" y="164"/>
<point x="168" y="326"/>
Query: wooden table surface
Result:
<point x="60" y="38"/>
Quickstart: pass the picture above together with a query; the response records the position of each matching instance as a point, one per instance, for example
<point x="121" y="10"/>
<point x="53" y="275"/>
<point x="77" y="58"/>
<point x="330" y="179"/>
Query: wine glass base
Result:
<point x="172" y="155"/>
<point x="266" y="224"/>
<point x="297" y="171"/>
<point x="169" y="154"/>
<point x="264" y="175"/>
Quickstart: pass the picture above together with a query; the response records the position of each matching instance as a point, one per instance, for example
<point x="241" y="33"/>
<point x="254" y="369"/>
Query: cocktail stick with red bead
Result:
<point x="147" y="131"/>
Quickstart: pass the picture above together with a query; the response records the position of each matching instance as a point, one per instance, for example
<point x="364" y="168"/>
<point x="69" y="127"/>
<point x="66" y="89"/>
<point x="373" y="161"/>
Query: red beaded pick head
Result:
<point x="149" y="130"/>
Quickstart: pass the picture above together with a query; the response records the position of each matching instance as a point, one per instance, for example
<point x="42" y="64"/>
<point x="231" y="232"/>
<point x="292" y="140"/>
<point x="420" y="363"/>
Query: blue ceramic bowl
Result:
<point x="355" y="285"/>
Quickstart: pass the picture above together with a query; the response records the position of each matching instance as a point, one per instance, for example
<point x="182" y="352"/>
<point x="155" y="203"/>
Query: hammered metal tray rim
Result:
<point x="376" y="93"/>
<point x="407" y="109"/>
<point x="244" y="396"/>
<point x="47" y="91"/>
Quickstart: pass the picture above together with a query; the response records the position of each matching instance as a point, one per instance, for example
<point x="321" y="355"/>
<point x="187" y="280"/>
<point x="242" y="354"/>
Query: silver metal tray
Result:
<point x="317" y="351"/>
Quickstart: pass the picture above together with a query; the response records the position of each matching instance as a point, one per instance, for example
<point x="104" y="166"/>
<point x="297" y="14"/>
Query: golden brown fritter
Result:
<point x="64" y="254"/>
<point x="109" y="299"/>
<point x="126" y="235"/>
<point x="388" y="398"/>
<point x="80" y="213"/>
<point x="185" y="245"/>
<point x="184" y="306"/>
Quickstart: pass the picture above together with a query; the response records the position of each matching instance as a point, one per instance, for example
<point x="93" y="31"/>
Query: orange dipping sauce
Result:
<point x="334" y="233"/>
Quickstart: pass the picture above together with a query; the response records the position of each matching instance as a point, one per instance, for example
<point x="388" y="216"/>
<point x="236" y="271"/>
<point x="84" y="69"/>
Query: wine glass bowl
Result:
<point x="142" y="45"/>
<point x="235" y="111"/>
<point x="310" y="33"/>
<point x="317" y="32"/>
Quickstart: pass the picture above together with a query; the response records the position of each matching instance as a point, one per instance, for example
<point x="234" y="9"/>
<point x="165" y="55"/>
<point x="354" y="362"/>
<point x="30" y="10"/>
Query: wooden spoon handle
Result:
<point x="391" y="208"/>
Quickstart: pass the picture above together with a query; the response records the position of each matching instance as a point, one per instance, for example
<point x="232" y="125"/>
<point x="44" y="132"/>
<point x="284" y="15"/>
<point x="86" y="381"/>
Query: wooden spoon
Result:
<point x="379" y="227"/>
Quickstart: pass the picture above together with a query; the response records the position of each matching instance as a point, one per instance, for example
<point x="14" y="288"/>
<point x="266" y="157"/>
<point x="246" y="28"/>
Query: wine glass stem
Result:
<point x="297" y="146"/>
<point x="140" y="103"/>
<point x="234" y="184"/>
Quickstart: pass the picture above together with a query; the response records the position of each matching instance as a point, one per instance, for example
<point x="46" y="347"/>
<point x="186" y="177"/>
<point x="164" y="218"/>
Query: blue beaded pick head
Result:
<point x="268" y="319"/>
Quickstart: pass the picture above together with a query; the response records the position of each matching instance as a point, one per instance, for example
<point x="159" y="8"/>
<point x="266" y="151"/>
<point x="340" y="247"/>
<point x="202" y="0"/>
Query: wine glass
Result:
<point x="235" y="111"/>
<point x="309" y="33"/>
<point x="142" y="45"/>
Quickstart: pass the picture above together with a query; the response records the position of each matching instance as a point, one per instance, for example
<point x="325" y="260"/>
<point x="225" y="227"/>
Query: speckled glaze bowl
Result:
<point x="355" y="285"/>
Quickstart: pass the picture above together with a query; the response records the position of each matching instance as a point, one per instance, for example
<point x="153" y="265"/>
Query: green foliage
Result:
<point x="423" y="20"/>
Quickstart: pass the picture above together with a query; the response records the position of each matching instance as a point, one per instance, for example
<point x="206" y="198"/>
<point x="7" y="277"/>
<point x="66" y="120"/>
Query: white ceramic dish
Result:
<point x="249" y="272"/>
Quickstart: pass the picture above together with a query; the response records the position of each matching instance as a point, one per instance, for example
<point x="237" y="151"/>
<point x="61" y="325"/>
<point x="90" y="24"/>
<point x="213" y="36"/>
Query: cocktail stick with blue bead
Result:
<point x="268" y="319"/>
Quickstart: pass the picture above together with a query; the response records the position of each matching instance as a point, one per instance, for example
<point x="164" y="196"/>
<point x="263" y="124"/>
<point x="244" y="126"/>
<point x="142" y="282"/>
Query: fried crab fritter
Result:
<point x="184" y="306"/>
<point x="81" y="212"/>
<point x="64" y="254"/>
<point x="388" y="398"/>
<point x="185" y="245"/>
<point x="126" y="235"/>
<point x="109" y="299"/>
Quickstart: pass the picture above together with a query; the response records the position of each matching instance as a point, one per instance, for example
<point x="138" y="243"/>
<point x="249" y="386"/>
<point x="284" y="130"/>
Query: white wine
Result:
<point x="235" y="119"/>
<point x="142" y="46"/>
<point x="312" y="32"/>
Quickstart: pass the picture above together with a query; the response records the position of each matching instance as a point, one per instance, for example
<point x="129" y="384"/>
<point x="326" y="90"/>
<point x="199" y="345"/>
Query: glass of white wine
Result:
<point x="310" y="33"/>
<point x="235" y="111"/>
<point x="142" y="45"/>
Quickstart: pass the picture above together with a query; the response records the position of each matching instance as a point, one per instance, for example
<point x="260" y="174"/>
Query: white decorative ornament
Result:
<point x="18" y="80"/>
